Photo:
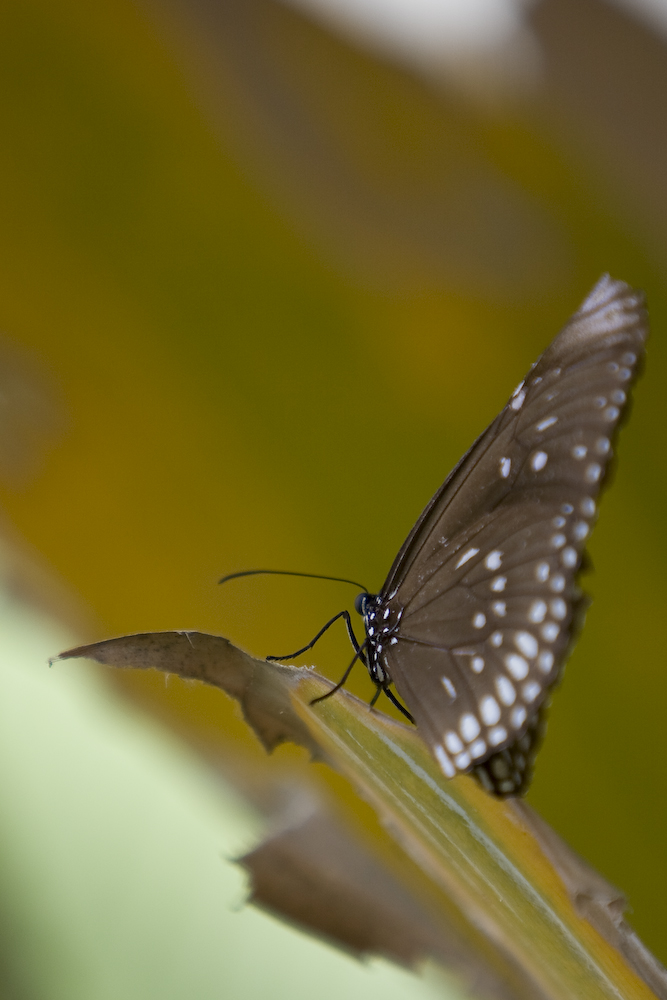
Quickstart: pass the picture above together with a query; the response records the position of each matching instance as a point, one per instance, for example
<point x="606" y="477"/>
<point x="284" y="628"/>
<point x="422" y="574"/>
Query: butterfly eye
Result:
<point x="360" y="604"/>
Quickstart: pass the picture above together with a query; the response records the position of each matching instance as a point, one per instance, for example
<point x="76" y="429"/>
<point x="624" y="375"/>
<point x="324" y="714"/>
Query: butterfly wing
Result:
<point x="510" y="771"/>
<point x="485" y="585"/>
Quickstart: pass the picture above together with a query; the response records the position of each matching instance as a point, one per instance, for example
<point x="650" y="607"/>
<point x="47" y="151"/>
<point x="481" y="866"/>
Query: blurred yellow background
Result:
<point x="260" y="289"/>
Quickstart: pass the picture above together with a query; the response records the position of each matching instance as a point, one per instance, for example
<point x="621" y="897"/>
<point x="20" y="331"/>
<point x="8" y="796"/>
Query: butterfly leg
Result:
<point x="394" y="700"/>
<point x="350" y="631"/>
<point x="359" y="655"/>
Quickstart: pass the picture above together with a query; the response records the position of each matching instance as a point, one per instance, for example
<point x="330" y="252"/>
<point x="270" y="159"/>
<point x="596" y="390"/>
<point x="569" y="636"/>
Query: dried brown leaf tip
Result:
<point x="261" y="688"/>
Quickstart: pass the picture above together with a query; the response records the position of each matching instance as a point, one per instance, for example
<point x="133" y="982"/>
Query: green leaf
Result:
<point x="486" y="855"/>
<point x="505" y="880"/>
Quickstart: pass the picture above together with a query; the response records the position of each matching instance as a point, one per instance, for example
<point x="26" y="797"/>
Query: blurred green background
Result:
<point x="261" y="287"/>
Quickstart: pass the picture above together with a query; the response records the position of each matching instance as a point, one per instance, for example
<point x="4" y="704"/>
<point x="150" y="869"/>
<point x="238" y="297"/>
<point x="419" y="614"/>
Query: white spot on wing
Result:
<point x="558" y="608"/>
<point x="530" y="691"/>
<point x="465" y="557"/>
<point x="445" y="763"/>
<point x="518" y="716"/>
<point x="489" y="710"/>
<point x="558" y="540"/>
<point x="505" y="467"/>
<point x="469" y="727"/>
<point x="498" y="584"/>
<point x="550" y="631"/>
<point x="539" y="460"/>
<point x="542" y="571"/>
<point x="479" y="620"/>
<point x="462" y="761"/>
<point x="505" y="690"/>
<point x="477" y="749"/>
<point x="545" y="661"/>
<point x="449" y="687"/>
<point x="497" y="735"/>
<point x="453" y="743"/>
<point x="537" y="611"/>
<point x="493" y="559"/>
<point x="569" y="557"/>
<point x="517" y="666"/>
<point x="526" y="643"/>
<point x="557" y="584"/>
<point x="496" y="639"/>
<point x="477" y="664"/>
<point x="499" y="608"/>
<point x="579" y="451"/>
<point x="543" y="424"/>
<point x="518" y="397"/>
<point x="593" y="472"/>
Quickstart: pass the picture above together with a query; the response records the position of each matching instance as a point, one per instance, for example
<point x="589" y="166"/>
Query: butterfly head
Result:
<point x="363" y="602"/>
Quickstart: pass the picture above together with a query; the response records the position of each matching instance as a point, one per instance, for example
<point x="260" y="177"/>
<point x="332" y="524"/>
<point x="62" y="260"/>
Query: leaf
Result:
<point x="258" y="686"/>
<point x="315" y="872"/>
<point x="509" y="877"/>
<point x="479" y="850"/>
<point x="594" y="899"/>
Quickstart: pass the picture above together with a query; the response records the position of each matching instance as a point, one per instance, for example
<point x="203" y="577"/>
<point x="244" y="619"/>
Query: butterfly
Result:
<point x="478" y="613"/>
<point x="480" y="609"/>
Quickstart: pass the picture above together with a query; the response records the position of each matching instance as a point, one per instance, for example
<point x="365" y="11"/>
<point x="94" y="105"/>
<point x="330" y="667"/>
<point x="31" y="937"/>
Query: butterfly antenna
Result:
<point x="286" y="572"/>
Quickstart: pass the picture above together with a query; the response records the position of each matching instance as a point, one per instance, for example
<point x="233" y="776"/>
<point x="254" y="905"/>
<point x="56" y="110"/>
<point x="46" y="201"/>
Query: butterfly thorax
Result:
<point x="381" y="621"/>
